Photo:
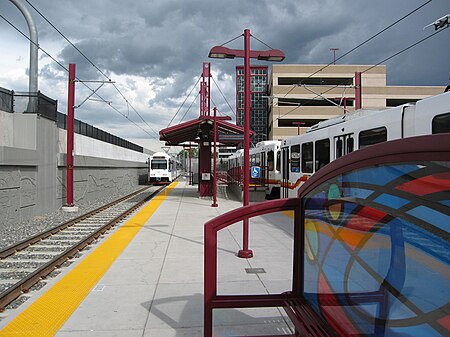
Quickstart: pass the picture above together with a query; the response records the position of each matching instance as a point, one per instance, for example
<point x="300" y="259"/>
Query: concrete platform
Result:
<point x="154" y="287"/>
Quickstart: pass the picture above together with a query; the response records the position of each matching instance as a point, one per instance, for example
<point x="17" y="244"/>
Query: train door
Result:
<point x="285" y="172"/>
<point x="343" y="145"/>
<point x="264" y="172"/>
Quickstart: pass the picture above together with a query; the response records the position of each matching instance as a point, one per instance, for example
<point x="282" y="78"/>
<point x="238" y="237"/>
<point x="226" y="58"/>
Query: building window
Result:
<point x="315" y="80"/>
<point x="291" y="122"/>
<point x="391" y="102"/>
<point x="282" y="101"/>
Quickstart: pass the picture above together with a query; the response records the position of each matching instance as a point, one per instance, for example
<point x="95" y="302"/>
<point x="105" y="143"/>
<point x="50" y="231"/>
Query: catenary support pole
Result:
<point x="70" y="135"/>
<point x="214" y="204"/>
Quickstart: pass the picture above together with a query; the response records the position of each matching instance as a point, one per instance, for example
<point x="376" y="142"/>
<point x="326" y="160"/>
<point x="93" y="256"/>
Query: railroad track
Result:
<point x="24" y="264"/>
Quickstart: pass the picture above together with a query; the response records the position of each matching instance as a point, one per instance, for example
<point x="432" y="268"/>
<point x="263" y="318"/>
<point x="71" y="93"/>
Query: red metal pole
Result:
<point x="70" y="135"/>
<point x="214" y="204"/>
<point x="190" y="165"/>
<point x="358" y="96"/>
<point x="245" y="252"/>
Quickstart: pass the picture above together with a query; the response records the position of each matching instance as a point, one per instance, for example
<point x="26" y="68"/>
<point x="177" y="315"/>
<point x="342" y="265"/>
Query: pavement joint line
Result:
<point x="47" y="314"/>
<point x="164" y="259"/>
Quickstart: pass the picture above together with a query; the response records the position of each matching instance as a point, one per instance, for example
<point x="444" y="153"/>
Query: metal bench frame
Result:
<point x="304" y="318"/>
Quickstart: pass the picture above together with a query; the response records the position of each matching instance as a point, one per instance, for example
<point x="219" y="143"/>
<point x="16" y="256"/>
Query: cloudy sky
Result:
<point x="154" y="49"/>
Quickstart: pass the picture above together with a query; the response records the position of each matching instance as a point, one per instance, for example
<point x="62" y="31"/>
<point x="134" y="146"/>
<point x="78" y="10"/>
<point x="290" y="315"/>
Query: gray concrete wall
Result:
<point x="96" y="178"/>
<point x="18" y="185"/>
<point x="32" y="168"/>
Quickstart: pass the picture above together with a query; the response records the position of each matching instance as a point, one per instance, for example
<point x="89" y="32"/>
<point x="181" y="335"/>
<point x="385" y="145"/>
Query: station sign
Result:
<point x="230" y="137"/>
<point x="255" y="172"/>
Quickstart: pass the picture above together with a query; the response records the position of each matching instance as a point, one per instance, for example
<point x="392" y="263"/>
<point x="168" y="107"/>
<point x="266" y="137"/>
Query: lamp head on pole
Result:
<point x="221" y="52"/>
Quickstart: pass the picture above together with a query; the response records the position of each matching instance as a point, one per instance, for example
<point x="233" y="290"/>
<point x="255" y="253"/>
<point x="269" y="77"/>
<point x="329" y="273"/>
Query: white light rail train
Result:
<point x="162" y="168"/>
<point x="286" y="165"/>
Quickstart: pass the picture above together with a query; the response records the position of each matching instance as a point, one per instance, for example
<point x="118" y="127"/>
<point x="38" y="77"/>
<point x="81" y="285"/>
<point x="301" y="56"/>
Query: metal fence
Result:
<point x="38" y="103"/>
<point x="93" y="132"/>
<point x="28" y="102"/>
<point x="6" y="100"/>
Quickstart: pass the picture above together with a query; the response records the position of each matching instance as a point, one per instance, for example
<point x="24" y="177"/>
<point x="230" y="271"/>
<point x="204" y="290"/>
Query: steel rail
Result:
<point x="34" y="277"/>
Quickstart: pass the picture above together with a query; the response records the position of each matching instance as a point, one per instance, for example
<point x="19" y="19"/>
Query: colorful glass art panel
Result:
<point x="377" y="250"/>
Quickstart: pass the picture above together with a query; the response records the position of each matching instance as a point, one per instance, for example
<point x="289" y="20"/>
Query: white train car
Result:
<point x="266" y="156"/>
<point x="326" y="141"/>
<point x="162" y="168"/>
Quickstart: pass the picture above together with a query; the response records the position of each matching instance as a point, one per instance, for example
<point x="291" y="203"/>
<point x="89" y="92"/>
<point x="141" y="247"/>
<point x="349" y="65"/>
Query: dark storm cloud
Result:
<point x="166" y="41"/>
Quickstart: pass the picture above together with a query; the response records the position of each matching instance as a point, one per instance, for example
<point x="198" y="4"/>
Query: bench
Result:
<point x="305" y="319"/>
<point x="371" y="253"/>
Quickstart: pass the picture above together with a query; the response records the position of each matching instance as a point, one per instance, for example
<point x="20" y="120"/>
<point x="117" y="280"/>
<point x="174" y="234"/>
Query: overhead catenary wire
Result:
<point x="93" y="64"/>
<point x="67" y="70"/>
<point x="193" y="87"/>
<point x="217" y="109"/>
<point x="182" y="118"/>
<point x="263" y="41"/>
<point x="366" y="70"/>
<point x="223" y="95"/>
<point x="363" y="43"/>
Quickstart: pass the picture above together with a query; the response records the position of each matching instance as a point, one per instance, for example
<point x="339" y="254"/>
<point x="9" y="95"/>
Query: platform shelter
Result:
<point x="201" y="132"/>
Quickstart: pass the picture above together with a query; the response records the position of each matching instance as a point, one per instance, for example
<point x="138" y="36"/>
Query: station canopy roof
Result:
<point x="202" y="128"/>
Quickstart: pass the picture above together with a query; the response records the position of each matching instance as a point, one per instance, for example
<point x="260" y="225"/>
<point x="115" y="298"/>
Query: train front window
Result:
<point x="441" y="123"/>
<point x="372" y="136"/>
<point x="295" y="158"/>
<point x="159" y="164"/>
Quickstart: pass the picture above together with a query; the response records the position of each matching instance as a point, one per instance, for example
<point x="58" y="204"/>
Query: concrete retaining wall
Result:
<point x="33" y="174"/>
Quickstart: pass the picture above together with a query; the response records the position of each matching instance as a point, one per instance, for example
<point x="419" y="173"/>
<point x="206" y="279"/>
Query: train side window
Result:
<point x="350" y="144"/>
<point x="278" y="163"/>
<point x="270" y="160"/>
<point x="339" y="148"/>
<point x="441" y="123"/>
<point x="372" y="136"/>
<point x="307" y="157"/>
<point x="258" y="159"/>
<point x="295" y="158"/>
<point x="322" y="150"/>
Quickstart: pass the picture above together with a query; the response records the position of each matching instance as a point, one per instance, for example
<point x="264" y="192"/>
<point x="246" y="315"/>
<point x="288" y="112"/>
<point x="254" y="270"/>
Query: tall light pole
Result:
<point x="334" y="54"/>
<point x="274" y="55"/>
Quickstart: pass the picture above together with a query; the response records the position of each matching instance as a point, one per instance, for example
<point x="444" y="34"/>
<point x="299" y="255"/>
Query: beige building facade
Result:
<point x="303" y="95"/>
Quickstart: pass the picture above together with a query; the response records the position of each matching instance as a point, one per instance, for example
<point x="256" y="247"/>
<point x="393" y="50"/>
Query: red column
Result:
<point x="214" y="204"/>
<point x="190" y="165"/>
<point x="70" y="135"/>
<point x="245" y="252"/>
<point x="358" y="96"/>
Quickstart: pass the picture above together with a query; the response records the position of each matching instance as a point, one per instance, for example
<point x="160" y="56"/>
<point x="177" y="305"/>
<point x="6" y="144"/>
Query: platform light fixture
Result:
<point x="273" y="55"/>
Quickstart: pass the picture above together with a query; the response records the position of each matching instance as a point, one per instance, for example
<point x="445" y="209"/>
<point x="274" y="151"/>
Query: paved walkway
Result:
<point x="155" y="285"/>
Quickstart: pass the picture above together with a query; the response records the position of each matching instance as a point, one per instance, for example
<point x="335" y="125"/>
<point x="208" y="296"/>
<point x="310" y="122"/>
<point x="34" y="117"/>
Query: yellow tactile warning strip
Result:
<point x="48" y="313"/>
